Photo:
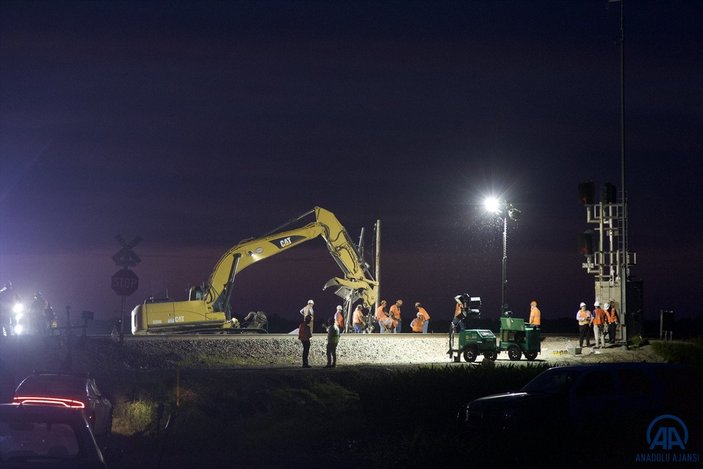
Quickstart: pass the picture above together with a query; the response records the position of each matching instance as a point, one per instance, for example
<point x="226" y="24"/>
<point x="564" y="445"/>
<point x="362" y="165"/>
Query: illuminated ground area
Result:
<point x="94" y="354"/>
<point x="244" y="401"/>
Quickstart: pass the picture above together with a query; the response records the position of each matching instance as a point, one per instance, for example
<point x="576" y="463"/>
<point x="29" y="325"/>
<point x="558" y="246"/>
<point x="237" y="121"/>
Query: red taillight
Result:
<point x="43" y="400"/>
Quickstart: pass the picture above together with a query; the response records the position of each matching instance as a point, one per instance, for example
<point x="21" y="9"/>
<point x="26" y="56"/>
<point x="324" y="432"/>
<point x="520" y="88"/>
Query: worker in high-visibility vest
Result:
<point x="584" y="318"/>
<point x="535" y="314"/>
<point x="395" y="315"/>
<point x="425" y="317"/>
<point x="612" y="316"/>
<point x="384" y="321"/>
<point x="339" y="318"/>
<point x="358" y="320"/>
<point x="599" y="321"/>
<point x="417" y="323"/>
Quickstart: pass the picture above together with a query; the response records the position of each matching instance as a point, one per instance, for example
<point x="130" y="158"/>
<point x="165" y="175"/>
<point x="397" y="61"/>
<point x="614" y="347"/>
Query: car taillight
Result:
<point x="43" y="400"/>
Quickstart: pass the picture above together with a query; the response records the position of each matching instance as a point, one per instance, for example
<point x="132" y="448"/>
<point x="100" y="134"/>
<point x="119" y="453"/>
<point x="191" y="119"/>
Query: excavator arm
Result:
<point x="213" y="308"/>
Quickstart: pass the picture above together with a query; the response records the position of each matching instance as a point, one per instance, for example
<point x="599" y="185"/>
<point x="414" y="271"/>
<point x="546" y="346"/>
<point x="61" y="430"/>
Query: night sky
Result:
<point x="197" y="124"/>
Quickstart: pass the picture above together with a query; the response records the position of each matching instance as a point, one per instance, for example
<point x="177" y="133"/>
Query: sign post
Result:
<point x="125" y="282"/>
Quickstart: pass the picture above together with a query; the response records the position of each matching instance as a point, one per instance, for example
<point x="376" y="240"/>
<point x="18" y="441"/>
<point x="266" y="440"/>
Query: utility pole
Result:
<point x="625" y="270"/>
<point x="378" y="264"/>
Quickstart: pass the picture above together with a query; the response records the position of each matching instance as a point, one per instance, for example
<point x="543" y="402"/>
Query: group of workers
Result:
<point x="391" y="322"/>
<point x="334" y="327"/>
<point x="388" y="322"/>
<point x="600" y="321"/>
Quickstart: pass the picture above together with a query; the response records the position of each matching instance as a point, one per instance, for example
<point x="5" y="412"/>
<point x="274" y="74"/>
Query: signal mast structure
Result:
<point x="607" y="258"/>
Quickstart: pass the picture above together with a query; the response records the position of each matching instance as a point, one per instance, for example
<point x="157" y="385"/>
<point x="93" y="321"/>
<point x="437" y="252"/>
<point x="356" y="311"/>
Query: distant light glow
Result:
<point x="493" y="204"/>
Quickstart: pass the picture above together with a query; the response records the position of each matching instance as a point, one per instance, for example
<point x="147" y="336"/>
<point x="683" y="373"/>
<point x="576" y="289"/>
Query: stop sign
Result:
<point x="125" y="282"/>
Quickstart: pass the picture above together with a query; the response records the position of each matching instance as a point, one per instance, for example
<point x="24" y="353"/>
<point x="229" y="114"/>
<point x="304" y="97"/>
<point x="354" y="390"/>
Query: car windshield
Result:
<point x="36" y="439"/>
<point x="554" y="381"/>
<point x="53" y="385"/>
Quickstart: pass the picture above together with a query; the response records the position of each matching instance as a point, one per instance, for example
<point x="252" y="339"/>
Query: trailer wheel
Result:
<point x="530" y="355"/>
<point x="470" y="354"/>
<point x="491" y="355"/>
<point x="514" y="352"/>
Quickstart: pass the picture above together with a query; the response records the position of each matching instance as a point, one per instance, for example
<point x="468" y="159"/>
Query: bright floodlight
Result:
<point x="492" y="204"/>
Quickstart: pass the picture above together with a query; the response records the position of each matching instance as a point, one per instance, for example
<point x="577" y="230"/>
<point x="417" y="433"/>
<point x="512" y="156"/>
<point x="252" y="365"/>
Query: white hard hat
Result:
<point x="607" y="305"/>
<point x="310" y="302"/>
<point x="597" y="303"/>
<point x="582" y="304"/>
<point x="339" y="308"/>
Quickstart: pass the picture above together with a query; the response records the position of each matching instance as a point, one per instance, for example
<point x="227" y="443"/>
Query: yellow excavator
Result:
<point x="208" y="309"/>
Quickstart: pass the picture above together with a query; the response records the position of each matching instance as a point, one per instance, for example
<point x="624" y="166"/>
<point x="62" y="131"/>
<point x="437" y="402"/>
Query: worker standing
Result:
<point x="535" y="315"/>
<point x="332" y="341"/>
<point x="584" y="318"/>
<point x="339" y="318"/>
<point x="612" y="316"/>
<point x="425" y="316"/>
<point x="395" y="316"/>
<point x="460" y="308"/>
<point x="358" y="320"/>
<point x="599" y="321"/>
<point x="308" y="310"/>
<point x="304" y="336"/>
<point x="384" y="322"/>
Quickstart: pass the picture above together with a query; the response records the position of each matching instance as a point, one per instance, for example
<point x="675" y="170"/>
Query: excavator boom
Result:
<point x="212" y="312"/>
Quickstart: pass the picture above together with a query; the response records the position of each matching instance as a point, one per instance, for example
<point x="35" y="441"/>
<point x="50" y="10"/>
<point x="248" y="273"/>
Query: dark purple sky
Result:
<point x="197" y="124"/>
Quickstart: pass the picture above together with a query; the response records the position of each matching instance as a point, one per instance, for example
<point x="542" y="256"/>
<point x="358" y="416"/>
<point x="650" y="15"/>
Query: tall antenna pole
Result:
<point x="624" y="273"/>
<point x="378" y="265"/>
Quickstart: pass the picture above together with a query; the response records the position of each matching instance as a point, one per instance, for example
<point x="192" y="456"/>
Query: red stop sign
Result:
<point x="125" y="282"/>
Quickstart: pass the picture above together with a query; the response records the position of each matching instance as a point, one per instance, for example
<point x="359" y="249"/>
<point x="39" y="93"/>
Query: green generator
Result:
<point x="517" y="338"/>
<point x="471" y="343"/>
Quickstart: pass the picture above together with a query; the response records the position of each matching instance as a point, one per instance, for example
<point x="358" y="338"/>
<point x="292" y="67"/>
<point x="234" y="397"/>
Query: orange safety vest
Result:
<point x="416" y="325"/>
<point x="599" y="317"/>
<point x="583" y="317"/>
<point x="395" y="312"/>
<point x="612" y="315"/>
<point x="358" y="317"/>
<point x="340" y="319"/>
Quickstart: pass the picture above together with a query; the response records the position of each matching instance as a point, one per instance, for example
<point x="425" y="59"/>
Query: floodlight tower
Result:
<point x="504" y="210"/>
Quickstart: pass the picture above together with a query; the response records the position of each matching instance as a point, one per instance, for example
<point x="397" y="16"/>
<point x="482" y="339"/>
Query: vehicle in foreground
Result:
<point x="46" y="436"/>
<point x="71" y="390"/>
<point x="583" y="396"/>
<point x="589" y="413"/>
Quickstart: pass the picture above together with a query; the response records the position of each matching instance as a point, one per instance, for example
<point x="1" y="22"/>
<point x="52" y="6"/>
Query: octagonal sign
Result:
<point x="125" y="282"/>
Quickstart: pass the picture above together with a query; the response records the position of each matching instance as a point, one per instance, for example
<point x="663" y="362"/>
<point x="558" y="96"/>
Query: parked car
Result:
<point x="591" y="414"/>
<point x="46" y="436"/>
<point x="583" y="396"/>
<point x="68" y="390"/>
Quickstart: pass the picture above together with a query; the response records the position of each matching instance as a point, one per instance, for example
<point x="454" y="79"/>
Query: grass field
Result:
<point x="356" y="416"/>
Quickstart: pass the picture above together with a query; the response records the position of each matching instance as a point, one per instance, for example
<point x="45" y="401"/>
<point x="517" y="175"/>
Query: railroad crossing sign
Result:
<point x="125" y="282"/>
<point x="125" y="257"/>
